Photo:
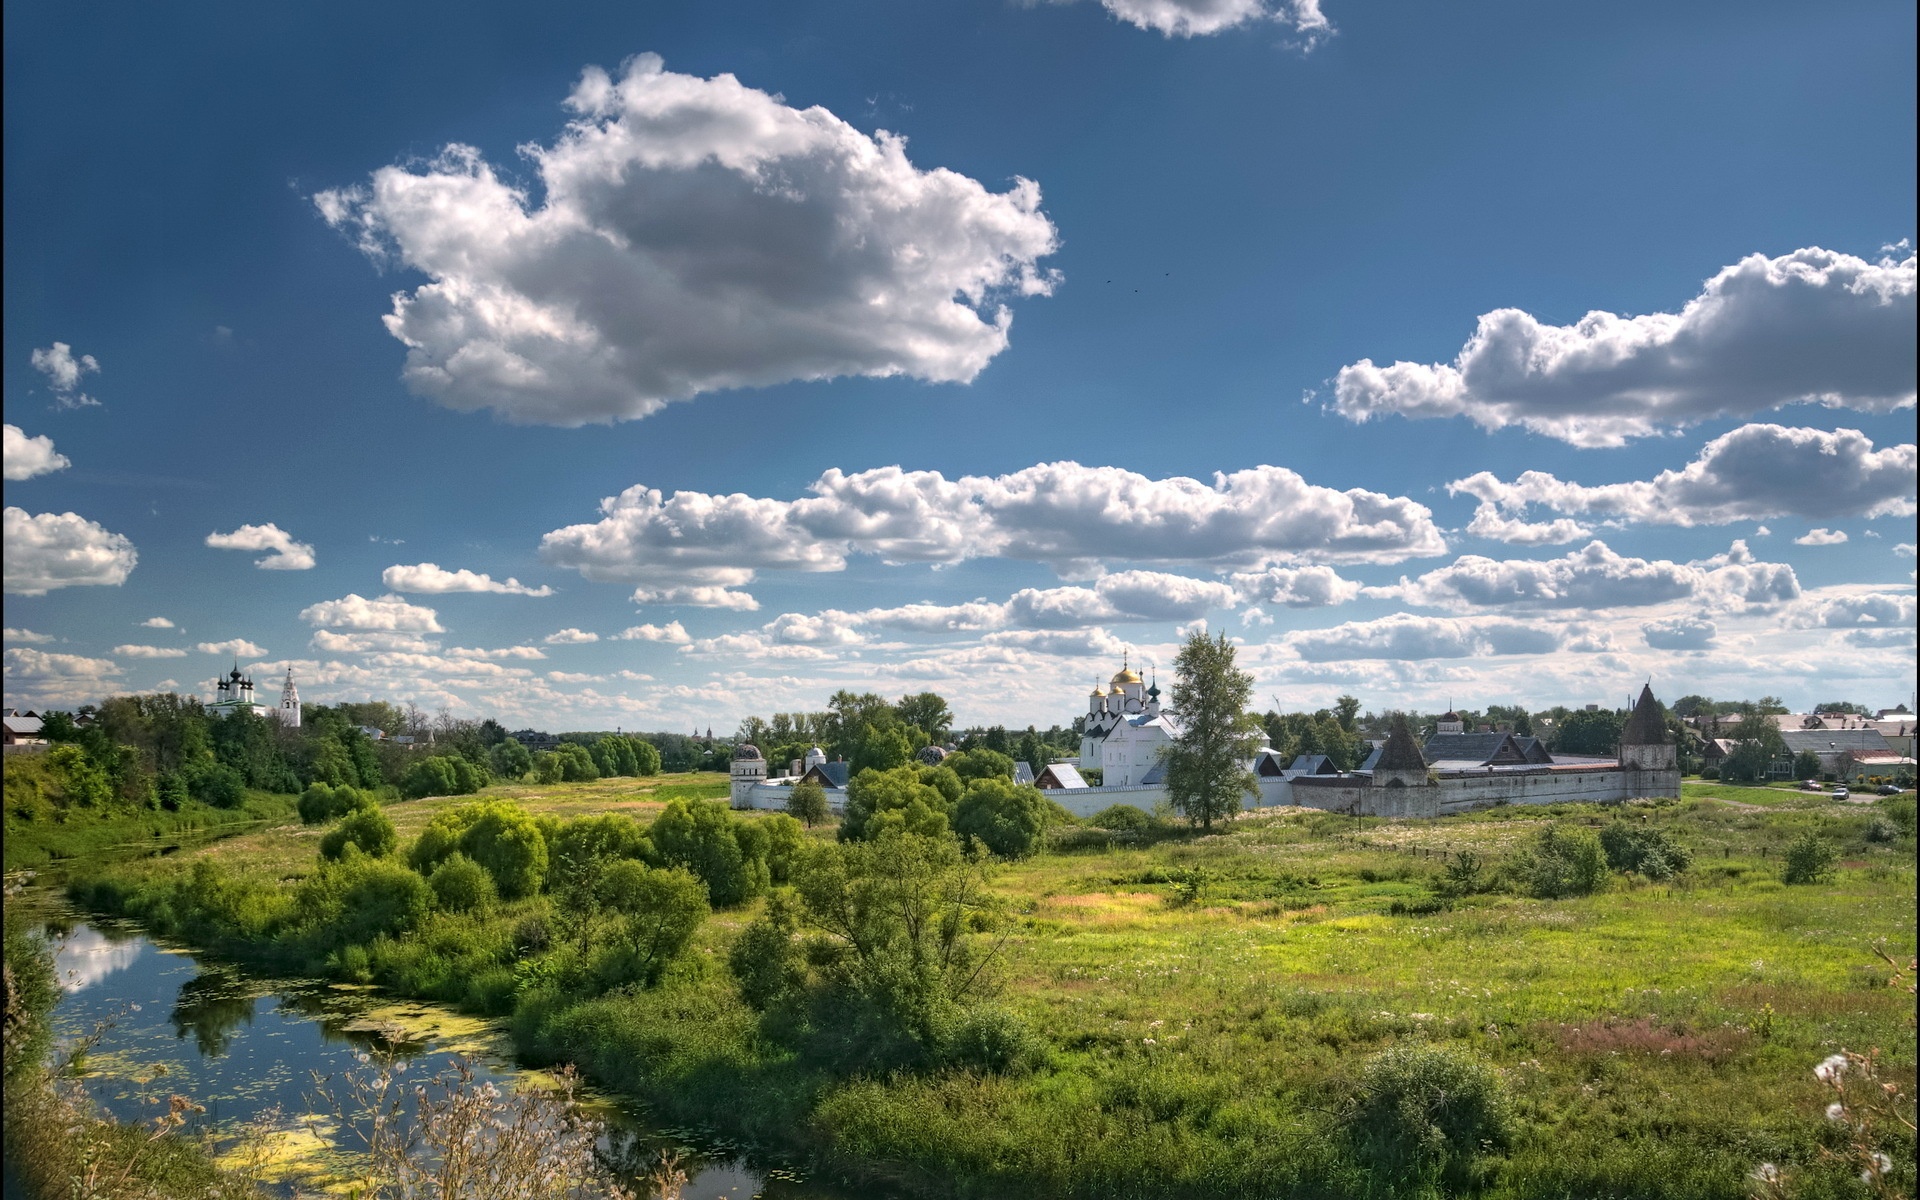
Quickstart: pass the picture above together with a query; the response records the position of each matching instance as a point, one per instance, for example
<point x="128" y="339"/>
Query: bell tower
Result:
<point x="290" y="703"/>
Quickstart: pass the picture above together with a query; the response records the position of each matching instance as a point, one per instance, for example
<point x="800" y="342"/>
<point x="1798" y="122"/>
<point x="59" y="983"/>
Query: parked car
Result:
<point x="1811" y="785"/>
<point x="1841" y="793"/>
<point x="1888" y="789"/>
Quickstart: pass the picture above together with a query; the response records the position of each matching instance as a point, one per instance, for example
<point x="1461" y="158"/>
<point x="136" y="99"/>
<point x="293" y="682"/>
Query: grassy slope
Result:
<point x="1658" y="1037"/>
<point x="86" y="835"/>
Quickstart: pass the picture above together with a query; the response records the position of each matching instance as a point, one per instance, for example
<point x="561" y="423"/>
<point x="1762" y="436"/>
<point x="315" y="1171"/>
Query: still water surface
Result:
<point x="244" y="1045"/>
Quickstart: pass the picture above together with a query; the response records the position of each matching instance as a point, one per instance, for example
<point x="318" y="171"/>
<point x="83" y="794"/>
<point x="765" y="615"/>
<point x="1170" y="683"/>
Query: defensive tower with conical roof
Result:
<point x="1400" y="763"/>
<point x="1646" y="749"/>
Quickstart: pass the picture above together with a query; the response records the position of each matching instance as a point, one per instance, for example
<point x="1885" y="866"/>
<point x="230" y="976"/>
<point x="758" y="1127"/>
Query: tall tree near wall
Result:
<point x="1207" y="771"/>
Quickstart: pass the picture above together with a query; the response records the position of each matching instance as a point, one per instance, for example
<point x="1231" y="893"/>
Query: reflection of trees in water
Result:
<point x="211" y="1006"/>
<point x="647" y="1159"/>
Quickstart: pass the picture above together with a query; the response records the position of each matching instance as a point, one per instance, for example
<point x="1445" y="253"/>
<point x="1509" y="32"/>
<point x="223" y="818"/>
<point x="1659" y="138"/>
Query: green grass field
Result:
<point x="1657" y="1039"/>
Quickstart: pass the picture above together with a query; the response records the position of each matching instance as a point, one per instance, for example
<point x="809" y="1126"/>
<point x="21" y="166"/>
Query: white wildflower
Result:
<point x="1877" y="1168"/>
<point x="1831" y="1068"/>
<point x="1836" y="1111"/>
<point x="1766" y="1173"/>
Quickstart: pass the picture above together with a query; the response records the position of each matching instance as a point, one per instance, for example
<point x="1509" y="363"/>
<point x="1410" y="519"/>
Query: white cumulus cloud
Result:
<point x="1407" y="637"/>
<point x="1199" y="18"/>
<point x="570" y="637"/>
<point x="64" y="370"/>
<point x="692" y="235"/>
<point x="673" y="633"/>
<point x="1812" y="326"/>
<point x="45" y="551"/>
<point x="1752" y="473"/>
<point x="698" y="596"/>
<point x="1822" y="537"/>
<point x="28" y="636"/>
<point x="329" y="642"/>
<point x="429" y="577"/>
<point x="388" y="614"/>
<point x="148" y="652"/>
<point x="285" y="554"/>
<point x="1680" y="633"/>
<point x="232" y="648"/>
<point x="156" y="623"/>
<point x="1064" y="514"/>
<point x="26" y="456"/>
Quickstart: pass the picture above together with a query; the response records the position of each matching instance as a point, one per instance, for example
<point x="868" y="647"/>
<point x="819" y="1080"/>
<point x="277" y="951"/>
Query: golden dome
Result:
<point x="1098" y="691"/>
<point x="1126" y="675"/>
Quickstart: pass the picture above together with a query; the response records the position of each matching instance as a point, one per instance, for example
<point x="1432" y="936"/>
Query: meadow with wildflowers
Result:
<point x="1297" y="1004"/>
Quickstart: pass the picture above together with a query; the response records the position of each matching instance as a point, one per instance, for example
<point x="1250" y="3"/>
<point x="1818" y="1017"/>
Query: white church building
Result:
<point x="1126" y="731"/>
<point x="233" y="692"/>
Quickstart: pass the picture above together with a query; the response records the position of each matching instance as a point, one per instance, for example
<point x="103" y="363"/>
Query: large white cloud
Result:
<point x="431" y="578"/>
<point x="284" y="554"/>
<point x="1598" y="578"/>
<point x="1815" y="325"/>
<point x="1296" y="587"/>
<point x="1593" y="577"/>
<point x="388" y="614"/>
<point x="45" y="551"/>
<point x="673" y="633"/>
<point x="58" y="678"/>
<point x="1070" y="516"/>
<point x="133" y="651"/>
<point x="64" y="370"/>
<point x="1852" y="610"/>
<point x="1680" y="633"/>
<point x="699" y="595"/>
<point x="1407" y="637"/>
<point x="1751" y="473"/>
<point x="26" y="456"/>
<point x="232" y="647"/>
<point x="692" y="235"/>
<point x="1198" y="18"/>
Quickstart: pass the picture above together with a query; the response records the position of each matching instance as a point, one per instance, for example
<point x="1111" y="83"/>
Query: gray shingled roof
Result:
<point x="1402" y="752"/>
<point x="1646" y="727"/>
<point x="828" y="774"/>
<point x="1858" y="741"/>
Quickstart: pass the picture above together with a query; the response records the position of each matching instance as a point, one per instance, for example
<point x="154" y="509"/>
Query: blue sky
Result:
<point x="1163" y="311"/>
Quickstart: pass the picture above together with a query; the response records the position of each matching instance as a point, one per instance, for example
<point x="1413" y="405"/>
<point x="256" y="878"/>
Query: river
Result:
<point x="244" y="1045"/>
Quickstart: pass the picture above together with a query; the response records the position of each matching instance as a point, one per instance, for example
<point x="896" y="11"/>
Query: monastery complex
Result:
<point x="1127" y="732"/>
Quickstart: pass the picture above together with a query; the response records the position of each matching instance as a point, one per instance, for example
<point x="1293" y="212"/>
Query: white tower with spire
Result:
<point x="290" y="703"/>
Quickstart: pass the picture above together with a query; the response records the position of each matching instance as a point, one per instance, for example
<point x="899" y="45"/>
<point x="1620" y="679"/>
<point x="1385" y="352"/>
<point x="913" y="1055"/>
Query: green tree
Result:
<point x="576" y="765"/>
<point x="369" y="829"/>
<point x="1207" y="773"/>
<point x="1594" y="731"/>
<point x="704" y="837"/>
<point x="927" y="712"/>
<point x="1346" y="710"/>
<point x="646" y="759"/>
<point x="1009" y="819"/>
<point x="85" y="785"/>
<point x="659" y="910"/>
<point x="1564" y="861"/>
<point x="881" y="748"/>
<point x="979" y="763"/>
<point x="898" y="799"/>
<point x="507" y="841"/>
<point x="1809" y="859"/>
<point x="432" y="776"/>
<point x="461" y="885"/>
<point x="1806" y="765"/>
<point x="511" y="760"/>
<point x="896" y="916"/>
<point x="808" y="802"/>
